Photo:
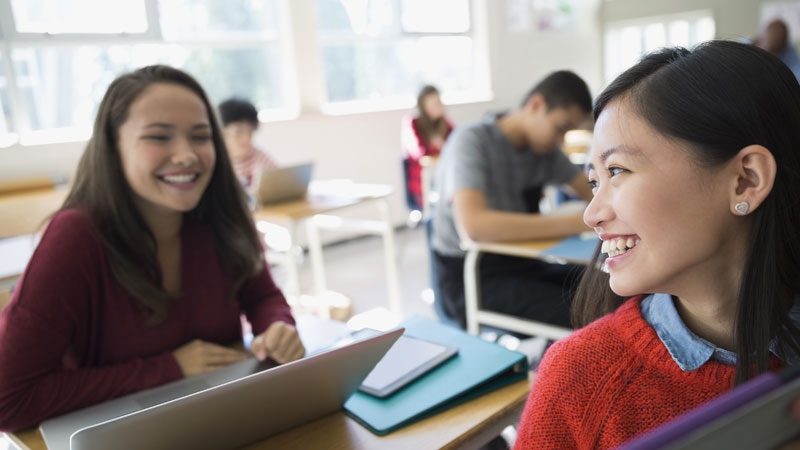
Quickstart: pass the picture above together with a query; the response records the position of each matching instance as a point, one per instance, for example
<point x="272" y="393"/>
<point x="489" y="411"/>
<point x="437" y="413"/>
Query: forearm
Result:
<point x="28" y="398"/>
<point x="501" y="226"/>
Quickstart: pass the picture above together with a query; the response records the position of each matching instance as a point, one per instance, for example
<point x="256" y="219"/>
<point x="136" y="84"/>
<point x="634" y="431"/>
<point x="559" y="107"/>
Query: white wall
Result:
<point x="365" y="147"/>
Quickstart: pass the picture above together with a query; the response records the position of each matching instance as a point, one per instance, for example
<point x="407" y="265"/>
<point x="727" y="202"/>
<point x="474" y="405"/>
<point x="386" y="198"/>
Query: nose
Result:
<point x="598" y="211"/>
<point x="184" y="153"/>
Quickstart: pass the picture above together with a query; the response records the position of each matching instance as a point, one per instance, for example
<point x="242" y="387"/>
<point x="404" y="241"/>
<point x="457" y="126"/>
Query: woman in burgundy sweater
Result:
<point x="143" y="274"/>
<point x="695" y="171"/>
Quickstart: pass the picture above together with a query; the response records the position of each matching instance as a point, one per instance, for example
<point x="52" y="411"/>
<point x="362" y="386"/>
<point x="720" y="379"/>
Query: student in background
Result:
<point x="775" y="39"/>
<point x="142" y="275"/>
<point x="423" y="134"/>
<point x="490" y="179"/>
<point x="695" y="173"/>
<point x="240" y="120"/>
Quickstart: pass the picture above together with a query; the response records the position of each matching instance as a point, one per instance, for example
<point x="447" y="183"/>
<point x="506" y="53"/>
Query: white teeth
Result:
<point x="178" y="178"/>
<point x="614" y="247"/>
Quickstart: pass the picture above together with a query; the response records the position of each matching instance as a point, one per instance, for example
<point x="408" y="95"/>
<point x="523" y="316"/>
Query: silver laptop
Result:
<point x="223" y="409"/>
<point x="284" y="183"/>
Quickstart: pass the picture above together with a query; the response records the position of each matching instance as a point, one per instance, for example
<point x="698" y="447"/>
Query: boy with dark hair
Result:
<point x="490" y="179"/>
<point x="240" y="120"/>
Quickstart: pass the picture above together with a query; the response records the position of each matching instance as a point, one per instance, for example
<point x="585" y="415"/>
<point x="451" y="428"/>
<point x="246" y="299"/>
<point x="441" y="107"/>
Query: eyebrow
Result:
<point x="171" y="126"/>
<point x="606" y="154"/>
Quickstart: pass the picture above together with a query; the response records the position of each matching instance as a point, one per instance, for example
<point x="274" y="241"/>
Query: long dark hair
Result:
<point x="428" y="126"/>
<point x="719" y="98"/>
<point x="101" y="189"/>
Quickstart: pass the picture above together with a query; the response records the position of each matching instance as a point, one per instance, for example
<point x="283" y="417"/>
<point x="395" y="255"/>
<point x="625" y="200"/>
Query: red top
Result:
<point x="415" y="147"/>
<point x="71" y="337"/>
<point x="610" y="381"/>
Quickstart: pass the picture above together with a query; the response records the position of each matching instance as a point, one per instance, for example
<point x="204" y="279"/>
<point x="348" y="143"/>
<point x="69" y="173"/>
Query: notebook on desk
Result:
<point x="223" y="409"/>
<point x="284" y="183"/>
<point x="478" y="367"/>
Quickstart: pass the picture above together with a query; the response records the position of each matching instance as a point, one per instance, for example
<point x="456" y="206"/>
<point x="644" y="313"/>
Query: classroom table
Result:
<point x="25" y="213"/>
<point x="315" y="210"/>
<point x="537" y="249"/>
<point x="469" y="425"/>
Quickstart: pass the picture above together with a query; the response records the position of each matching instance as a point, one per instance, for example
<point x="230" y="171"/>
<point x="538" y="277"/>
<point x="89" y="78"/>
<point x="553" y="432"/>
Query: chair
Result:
<point x="477" y="316"/>
<point x="437" y="298"/>
<point x="415" y="215"/>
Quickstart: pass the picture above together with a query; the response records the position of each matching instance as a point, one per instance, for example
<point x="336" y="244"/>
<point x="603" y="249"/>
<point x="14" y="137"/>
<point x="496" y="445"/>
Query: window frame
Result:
<point x="11" y="39"/>
<point x="693" y="17"/>
<point x="480" y="93"/>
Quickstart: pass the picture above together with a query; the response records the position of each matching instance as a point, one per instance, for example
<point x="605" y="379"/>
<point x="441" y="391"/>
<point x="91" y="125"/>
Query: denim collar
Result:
<point x="687" y="349"/>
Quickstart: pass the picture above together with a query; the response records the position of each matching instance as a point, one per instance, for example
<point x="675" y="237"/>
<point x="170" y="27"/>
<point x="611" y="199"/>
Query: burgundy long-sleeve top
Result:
<point x="71" y="337"/>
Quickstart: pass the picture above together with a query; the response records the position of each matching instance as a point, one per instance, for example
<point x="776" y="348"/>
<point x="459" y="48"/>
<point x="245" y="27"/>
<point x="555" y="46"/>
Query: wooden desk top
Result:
<point x="479" y="419"/>
<point x="24" y="213"/>
<point x="324" y="197"/>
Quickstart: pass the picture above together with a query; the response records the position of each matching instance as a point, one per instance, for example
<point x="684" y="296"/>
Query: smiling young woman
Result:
<point x="142" y="276"/>
<point x="695" y="172"/>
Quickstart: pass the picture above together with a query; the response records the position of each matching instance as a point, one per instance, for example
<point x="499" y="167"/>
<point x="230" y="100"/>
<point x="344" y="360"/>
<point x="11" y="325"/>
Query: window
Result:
<point x="626" y="42"/>
<point x="383" y="51"/>
<point x="62" y="59"/>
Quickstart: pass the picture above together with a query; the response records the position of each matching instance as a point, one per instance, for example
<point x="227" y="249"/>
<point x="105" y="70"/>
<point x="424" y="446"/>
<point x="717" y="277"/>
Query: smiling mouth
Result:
<point x="616" y="247"/>
<point x="179" y="179"/>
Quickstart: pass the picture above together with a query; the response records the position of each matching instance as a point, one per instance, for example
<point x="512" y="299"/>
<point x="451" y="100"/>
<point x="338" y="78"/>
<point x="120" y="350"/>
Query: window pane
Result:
<point x="79" y="16"/>
<point x="62" y="87"/>
<point x="380" y="70"/>
<point x="654" y="37"/>
<point x="704" y="29"/>
<point x="356" y="17"/>
<point x="6" y="126"/>
<point x="251" y="72"/>
<point x="207" y="18"/>
<point x="430" y="16"/>
<point x="679" y="33"/>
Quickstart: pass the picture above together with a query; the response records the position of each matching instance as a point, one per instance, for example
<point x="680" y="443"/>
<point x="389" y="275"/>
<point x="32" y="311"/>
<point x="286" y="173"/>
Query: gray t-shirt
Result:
<point x="479" y="156"/>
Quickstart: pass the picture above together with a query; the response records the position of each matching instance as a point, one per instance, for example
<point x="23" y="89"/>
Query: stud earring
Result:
<point x="742" y="208"/>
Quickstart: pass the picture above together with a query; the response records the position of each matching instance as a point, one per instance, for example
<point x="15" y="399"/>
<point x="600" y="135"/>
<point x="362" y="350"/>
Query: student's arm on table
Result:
<point x="275" y="335"/>
<point x="481" y="224"/>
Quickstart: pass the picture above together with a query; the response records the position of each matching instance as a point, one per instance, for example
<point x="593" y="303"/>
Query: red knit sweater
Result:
<point x="610" y="381"/>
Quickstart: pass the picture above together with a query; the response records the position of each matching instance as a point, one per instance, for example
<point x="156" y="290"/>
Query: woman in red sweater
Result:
<point x="142" y="276"/>
<point x="695" y="172"/>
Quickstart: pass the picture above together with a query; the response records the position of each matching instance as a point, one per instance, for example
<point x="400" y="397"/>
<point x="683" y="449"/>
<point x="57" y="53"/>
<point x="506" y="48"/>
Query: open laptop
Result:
<point x="284" y="183"/>
<point x="225" y="408"/>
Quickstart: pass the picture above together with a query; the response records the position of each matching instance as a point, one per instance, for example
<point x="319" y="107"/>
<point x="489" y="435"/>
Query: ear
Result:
<point x="536" y="103"/>
<point x="755" y="170"/>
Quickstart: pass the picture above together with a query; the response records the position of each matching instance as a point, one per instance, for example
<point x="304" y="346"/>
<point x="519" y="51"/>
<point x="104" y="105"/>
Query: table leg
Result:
<point x="392" y="278"/>
<point x="315" y="255"/>
<point x="472" y="289"/>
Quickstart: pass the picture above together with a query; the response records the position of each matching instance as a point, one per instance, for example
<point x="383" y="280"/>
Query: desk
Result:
<point x="24" y="213"/>
<point x="325" y="197"/>
<point x="529" y="249"/>
<point x="469" y="425"/>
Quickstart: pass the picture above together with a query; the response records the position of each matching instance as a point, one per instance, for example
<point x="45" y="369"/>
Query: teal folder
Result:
<point x="479" y="367"/>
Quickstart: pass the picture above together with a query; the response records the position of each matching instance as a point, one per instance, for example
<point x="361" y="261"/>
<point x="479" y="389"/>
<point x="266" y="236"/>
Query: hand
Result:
<point x="280" y="342"/>
<point x="200" y="356"/>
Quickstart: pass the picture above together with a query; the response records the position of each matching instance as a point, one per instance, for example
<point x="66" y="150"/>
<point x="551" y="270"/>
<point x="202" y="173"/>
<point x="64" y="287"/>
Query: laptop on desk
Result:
<point x="225" y="408"/>
<point x="284" y="183"/>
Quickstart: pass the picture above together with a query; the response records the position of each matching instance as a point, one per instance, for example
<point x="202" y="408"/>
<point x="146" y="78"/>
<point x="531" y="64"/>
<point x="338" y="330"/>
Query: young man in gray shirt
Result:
<point x="489" y="179"/>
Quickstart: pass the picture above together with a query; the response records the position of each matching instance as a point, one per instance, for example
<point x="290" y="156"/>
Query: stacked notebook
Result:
<point x="477" y="367"/>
